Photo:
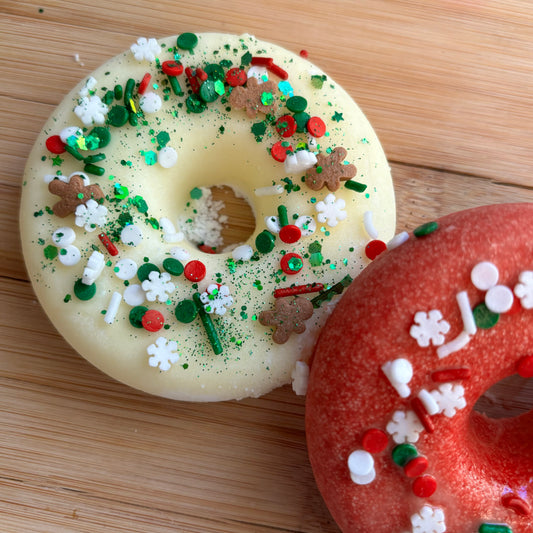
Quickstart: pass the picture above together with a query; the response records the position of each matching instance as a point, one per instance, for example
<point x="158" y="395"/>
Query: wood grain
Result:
<point x="447" y="86"/>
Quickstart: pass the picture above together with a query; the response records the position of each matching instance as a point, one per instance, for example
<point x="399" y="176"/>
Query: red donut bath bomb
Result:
<point x="394" y="440"/>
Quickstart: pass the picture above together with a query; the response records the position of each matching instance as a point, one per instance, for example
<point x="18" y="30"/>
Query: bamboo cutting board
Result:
<point x="447" y="86"/>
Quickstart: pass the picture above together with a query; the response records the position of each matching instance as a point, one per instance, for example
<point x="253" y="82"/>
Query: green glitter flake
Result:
<point x="317" y="81"/>
<point x="150" y="157"/>
<point x="163" y="138"/>
<point x="259" y="129"/>
<point x="337" y="117"/>
<point x="50" y="252"/>
<point x="196" y="193"/>
<point x="57" y="161"/>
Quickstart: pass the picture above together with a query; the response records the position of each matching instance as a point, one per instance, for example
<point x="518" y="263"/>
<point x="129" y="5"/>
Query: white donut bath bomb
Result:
<point x="126" y="163"/>
<point x="394" y="439"/>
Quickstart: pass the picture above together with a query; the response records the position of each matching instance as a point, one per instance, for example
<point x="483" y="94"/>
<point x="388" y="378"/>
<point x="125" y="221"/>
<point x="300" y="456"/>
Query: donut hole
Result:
<point x="510" y="397"/>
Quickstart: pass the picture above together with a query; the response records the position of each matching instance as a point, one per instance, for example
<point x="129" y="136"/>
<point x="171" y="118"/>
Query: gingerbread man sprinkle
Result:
<point x="288" y="316"/>
<point x="73" y="194"/>
<point x="330" y="171"/>
<point x="254" y="97"/>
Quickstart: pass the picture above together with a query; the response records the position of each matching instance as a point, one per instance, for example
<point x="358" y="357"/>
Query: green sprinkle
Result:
<point x="144" y="271"/>
<point x="102" y="134"/>
<point x="315" y="259"/>
<point x="215" y="72"/>
<point x="187" y="41"/>
<point x="140" y="203"/>
<point x="94" y="169"/>
<point x="67" y="298"/>
<point x="73" y="152"/>
<point x="50" y="252"/>
<point x="136" y="316"/>
<point x="296" y="104"/>
<point x="208" y="92"/>
<point x="425" y="229"/>
<point x="150" y="157"/>
<point x="208" y="325"/>
<point x="282" y="215"/>
<point x="194" y="104"/>
<point x="118" y="116"/>
<point x="94" y="158"/>
<point x="163" y="138"/>
<point x="186" y="311"/>
<point x="494" y="528"/>
<point x="315" y="247"/>
<point x="84" y="292"/>
<point x="246" y="59"/>
<point x="196" y="193"/>
<point x="317" y="81"/>
<point x="301" y="118"/>
<point x="121" y="191"/>
<point x="337" y="117"/>
<point x="109" y="97"/>
<point x="128" y="93"/>
<point x="403" y="453"/>
<point x="484" y="317"/>
<point x="259" y="129"/>
<point x="175" y="85"/>
<point x="265" y="241"/>
<point x="173" y="266"/>
<point x="57" y="161"/>
<point x="355" y="186"/>
<point x="118" y="92"/>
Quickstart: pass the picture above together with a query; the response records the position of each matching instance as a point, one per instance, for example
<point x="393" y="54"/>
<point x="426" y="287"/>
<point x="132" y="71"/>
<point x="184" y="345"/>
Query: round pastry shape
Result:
<point x="118" y="221"/>
<point x="394" y="440"/>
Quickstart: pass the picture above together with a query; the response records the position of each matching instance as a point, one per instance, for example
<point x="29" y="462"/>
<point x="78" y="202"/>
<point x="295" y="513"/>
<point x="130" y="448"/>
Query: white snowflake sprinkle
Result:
<point x="450" y="398"/>
<point x="404" y="427"/>
<point x="429" y="327"/>
<point x="216" y="298"/>
<point x="91" y="110"/>
<point x="428" y="520"/>
<point x="90" y="214"/>
<point x="331" y="210"/>
<point x="524" y="289"/>
<point x="163" y="353"/>
<point x="88" y="87"/>
<point x="145" y="49"/>
<point x="158" y="286"/>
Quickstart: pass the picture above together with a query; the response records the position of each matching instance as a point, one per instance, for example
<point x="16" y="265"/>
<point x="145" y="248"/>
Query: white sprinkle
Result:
<point x="361" y="466"/>
<point x="307" y="224"/>
<point x="70" y="131"/>
<point x="454" y="345"/>
<point x="167" y="157"/>
<point x="399" y="372"/>
<point x="95" y="266"/>
<point x="131" y="235"/>
<point x="242" y="253"/>
<point x="269" y="191"/>
<point x="258" y="72"/>
<point x="169" y="231"/>
<point x="150" y="102"/>
<point x="82" y="175"/>
<point x="466" y="312"/>
<point x="63" y="236"/>
<point x="499" y="299"/>
<point x="272" y="224"/>
<point x="134" y="295"/>
<point x="51" y="177"/>
<point x="398" y="240"/>
<point x="112" y="309"/>
<point x="485" y="275"/>
<point x="125" y="268"/>
<point x="70" y="255"/>
<point x="369" y="225"/>
<point x="300" y="161"/>
<point x="429" y="402"/>
<point x="180" y="253"/>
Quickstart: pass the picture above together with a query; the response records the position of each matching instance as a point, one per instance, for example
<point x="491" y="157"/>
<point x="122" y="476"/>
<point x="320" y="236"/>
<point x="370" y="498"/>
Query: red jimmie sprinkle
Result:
<point x="262" y="61"/>
<point x="278" y="71"/>
<point x="153" y="320"/>
<point x="106" y="241"/>
<point x="422" y="414"/>
<point x="201" y="74"/>
<point x="290" y="234"/>
<point x="279" y="152"/>
<point x="424" y="486"/>
<point x="374" y="248"/>
<point x="195" y="86"/>
<point x="207" y="249"/>
<point x="298" y="289"/>
<point x="525" y="366"/>
<point x="416" y="467"/>
<point x="450" y="374"/>
<point x="145" y="82"/>
<point x="375" y="440"/>
<point x="55" y="144"/>
<point x="235" y="77"/>
<point x="194" y="270"/>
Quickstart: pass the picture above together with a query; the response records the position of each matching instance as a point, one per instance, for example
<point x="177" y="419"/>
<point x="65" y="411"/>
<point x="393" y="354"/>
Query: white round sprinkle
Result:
<point x="485" y="275"/>
<point x="125" y="268"/>
<point x="242" y="253"/>
<point x="272" y="224"/>
<point x="70" y="131"/>
<point x="307" y="224"/>
<point x="134" y="295"/>
<point x="401" y="371"/>
<point x="131" y="235"/>
<point x="70" y="255"/>
<point x="62" y="237"/>
<point x="499" y="299"/>
<point x="150" y="102"/>
<point x="360" y="463"/>
<point x="167" y="157"/>
<point x="180" y="253"/>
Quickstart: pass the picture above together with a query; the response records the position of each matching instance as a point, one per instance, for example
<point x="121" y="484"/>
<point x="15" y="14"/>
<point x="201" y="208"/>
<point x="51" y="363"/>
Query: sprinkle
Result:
<point x="144" y="83"/>
<point x="525" y="366"/>
<point x="125" y="269"/>
<point x="112" y="309"/>
<point x="208" y="326"/>
<point x="466" y="312"/>
<point x="361" y="467"/>
<point x="484" y="275"/>
<point x="424" y="486"/>
<point x="484" y="317"/>
<point x="63" y="236"/>
<point x="134" y="295"/>
<point x="451" y="374"/>
<point x="269" y="191"/>
<point x="370" y="229"/>
<point x="494" y="528"/>
<point x="195" y="270"/>
<point x="425" y="229"/>
<point x="265" y="241"/>
<point x="84" y="292"/>
<point x="143" y="273"/>
<point x="50" y="252"/>
<point x="70" y="255"/>
<point x="290" y="234"/>
<point x="375" y="248"/>
<point x="403" y="453"/>
<point x="152" y="320"/>
<point x="261" y="61"/>
<point x="131" y="235"/>
<point x="95" y="266"/>
<point x="337" y="117"/>
<point x="163" y="353"/>
<point x="416" y="467"/>
<point x="300" y="378"/>
<point x="430" y="405"/>
<point x="187" y="41"/>
<point x="173" y="266"/>
<point x="317" y="128"/>
<point x="278" y="71"/>
<point x="167" y="157"/>
<point x="399" y="373"/>
<point x="499" y="299"/>
<point x="516" y="504"/>
<point x="244" y="252"/>
<point x="355" y="186"/>
<point x="136" y="315"/>
<point x="55" y="145"/>
<point x="291" y="263"/>
<point x="422" y="414"/>
<point x="298" y="289"/>
<point x="454" y="345"/>
<point x="186" y="311"/>
<point x="375" y="440"/>
<point x="327" y="295"/>
<point x="110" y="247"/>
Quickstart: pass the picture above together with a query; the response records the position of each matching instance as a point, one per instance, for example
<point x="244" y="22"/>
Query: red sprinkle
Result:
<point x="235" y="77"/>
<point x="144" y="83"/>
<point x="525" y="366"/>
<point x="195" y="86"/>
<point x="416" y="467"/>
<point x="304" y="54"/>
<point x="278" y="71"/>
<point x="55" y="144"/>
<point x="316" y="126"/>
<point x="106" y="241"/>
<point x="424" y="486"/>
<point x="516" y="504"/>
<point x="172" y="68"/>
<point x="286" y="125"/>
<point x="195" y="270"/>
<point x="286" y="266"/>
<point x="290" y="233"/>
<point x="279" y="152"/>
<point x="422" y="414"/>
<point x="152" y="320"/>
<point x="375" y="440"/>
<point x="262" y="61"/>
<point x="450" y="374"/>
<point x="374" y="248"/>
<point x="207" y="249"/>
<point x="298" y="289"/>
<point x="201" y="74"/>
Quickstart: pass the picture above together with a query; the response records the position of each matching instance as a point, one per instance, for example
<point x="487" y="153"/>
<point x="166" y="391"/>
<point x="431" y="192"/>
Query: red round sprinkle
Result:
<point x="424" y="486"/>
<point x="235" y="77"/>
<point x="194" y="270"/>
<point x="290" y="233"/>
<point x="279" y="152"/>
<point x="152" y="320"/>
<point x="286" y="125"/>
<point x="525" y="366"/>
<point x="55" y="144"/>
<point x="374" y="248"/>
<point x="304" y="54"/>
<point x="172" y="68"/>
<point x="145" y="82"/>
<point x="375" y="440"/>
<point x="316" y="126"/>
<point x="291" y="263"/>
<point x="416" y="467"/>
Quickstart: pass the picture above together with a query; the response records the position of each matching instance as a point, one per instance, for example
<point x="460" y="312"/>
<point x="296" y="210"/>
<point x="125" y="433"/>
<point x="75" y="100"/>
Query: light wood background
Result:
<point x="448" y="86"/>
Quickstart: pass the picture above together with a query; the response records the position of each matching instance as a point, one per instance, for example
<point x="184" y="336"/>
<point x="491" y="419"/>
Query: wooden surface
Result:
<point x="448" y="87"/>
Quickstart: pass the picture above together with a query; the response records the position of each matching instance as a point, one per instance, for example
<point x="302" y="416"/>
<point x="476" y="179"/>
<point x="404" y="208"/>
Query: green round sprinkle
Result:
<point x="264" y="242"/>
<point x="102" y="134"/>
<point x="173" y="266"/>
<point x="118" y="92"/>
<point x="186" y="311"/>
<point x="144" y="271"/>
<point x="215" y="72"/>
<point x="50" y="252"/>
<point x="301" y="118"/>
<point x="315" y="259"/>
<point x="187" y="41"/>
<point x="425" y="229"/>
<point x="207" y="91"/>
<point x="94" y="169"/>
<point x="136" y="316"/>
<point x="84" y="292"/>
<point x="118" y="116"/>
<point x="484" y="317"/>
<point x="355" y="186"/>
<point x="296" y="104"/>
<point x="403" y="453"/>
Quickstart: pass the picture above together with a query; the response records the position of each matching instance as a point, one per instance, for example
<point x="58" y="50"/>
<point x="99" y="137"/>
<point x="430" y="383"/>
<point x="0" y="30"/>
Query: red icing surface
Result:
<point x="476" y="461"/>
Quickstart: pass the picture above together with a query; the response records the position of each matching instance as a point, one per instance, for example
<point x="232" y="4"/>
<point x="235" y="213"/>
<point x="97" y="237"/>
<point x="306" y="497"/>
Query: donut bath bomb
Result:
<point x="394" y="439"/>
<point x="121" y="230"/>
